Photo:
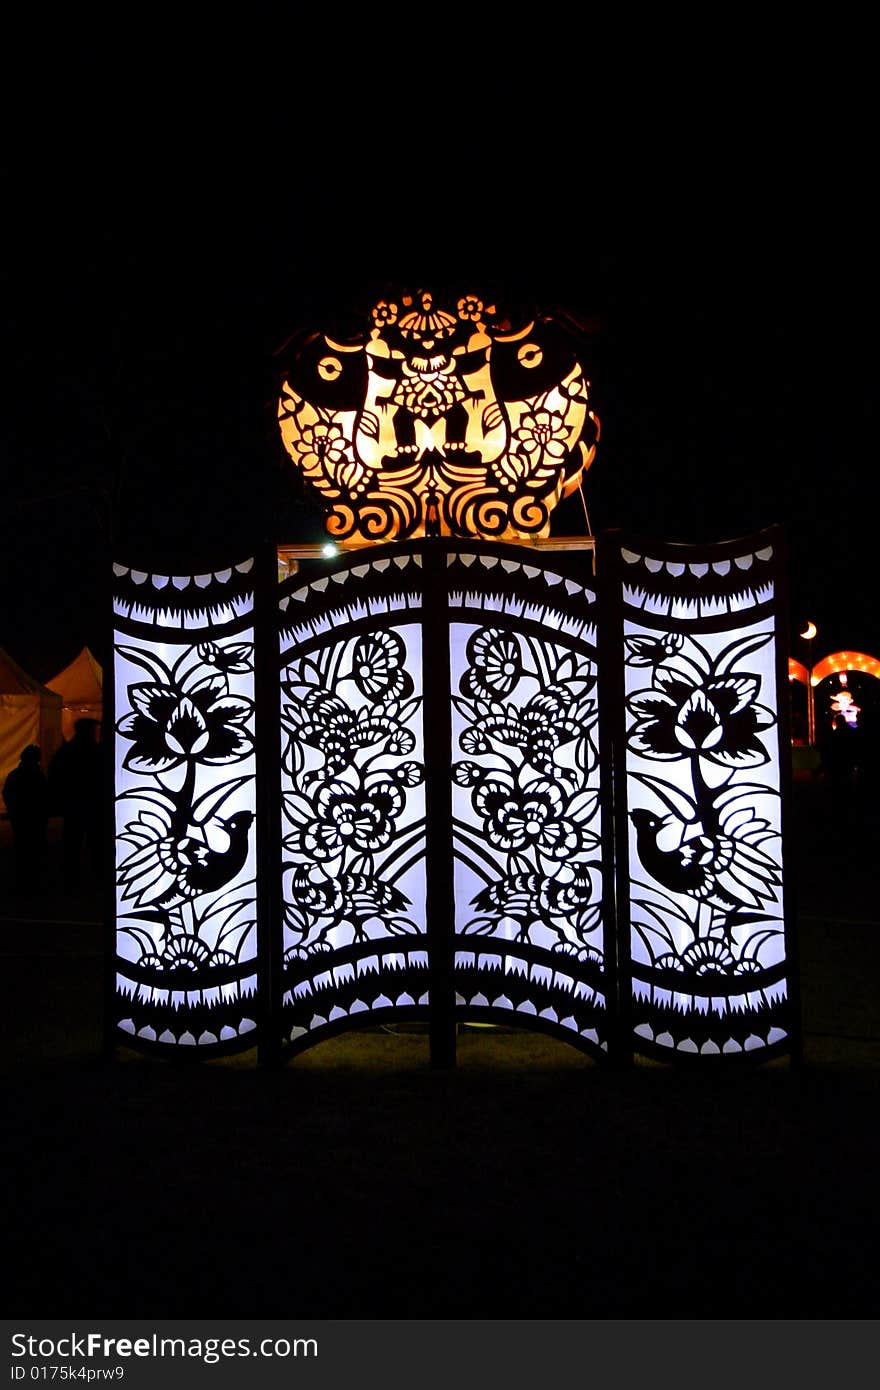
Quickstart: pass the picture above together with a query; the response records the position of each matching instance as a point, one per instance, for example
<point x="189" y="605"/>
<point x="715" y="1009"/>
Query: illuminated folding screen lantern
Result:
<point x="481" y="784"/>
<point x="453" y="771"/>
<point x="439" y="420"/>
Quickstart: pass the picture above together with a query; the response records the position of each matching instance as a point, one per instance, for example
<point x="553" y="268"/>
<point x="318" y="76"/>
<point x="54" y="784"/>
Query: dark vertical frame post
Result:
<point x="439" y="866"/>
<point x="108" y="739"/>
<point x="268" y="803"/>
<point x="615" y="837"/>
<point x="783" y="697"/>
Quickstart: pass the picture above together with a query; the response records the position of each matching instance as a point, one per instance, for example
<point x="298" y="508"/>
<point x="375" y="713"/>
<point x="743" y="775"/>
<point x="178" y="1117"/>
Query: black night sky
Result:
<point x="729" y="341"/>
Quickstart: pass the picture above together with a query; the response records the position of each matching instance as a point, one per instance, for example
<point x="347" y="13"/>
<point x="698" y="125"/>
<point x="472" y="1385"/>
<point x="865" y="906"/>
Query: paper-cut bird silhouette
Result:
<point x="718" y="870"/>
<point x="353" y="898"/>
<point x="565" y="904"/>
<point x="168" y="868"/>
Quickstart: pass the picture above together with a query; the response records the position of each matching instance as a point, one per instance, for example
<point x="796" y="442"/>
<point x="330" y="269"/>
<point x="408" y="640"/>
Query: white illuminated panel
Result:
<point x="704" y="810"/>
<point x="527" y="824"/>
<point x="185" y="858"/>
<point x="353" y="810"/>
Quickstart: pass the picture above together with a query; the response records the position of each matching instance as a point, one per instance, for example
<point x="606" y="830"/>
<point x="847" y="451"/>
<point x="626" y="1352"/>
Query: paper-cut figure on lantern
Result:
<point x="437" y="422"/>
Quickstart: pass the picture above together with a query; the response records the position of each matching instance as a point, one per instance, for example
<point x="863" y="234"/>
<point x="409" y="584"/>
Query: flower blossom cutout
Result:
<point x="518" y="818"/>
<point x="378" y="667"/>
<point x="196" y="722"/>
<point x="363" y="820"/>
<point x="651" y="651"/>
<point x="495" y="663"/>
<point x="717" y="720"/>
<point x="323" y="448"/>
<point x="543" y="432"/>
<point x="470" y="307"/>
<point x="385" y="314"/>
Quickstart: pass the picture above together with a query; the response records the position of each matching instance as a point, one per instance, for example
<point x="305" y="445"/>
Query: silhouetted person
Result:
<point x="25" y="792"/>
<point x="75" y="793"/>
<point x="840" y="770"/>
<point x="843" y="749"/>
<point x="866" y="761"/>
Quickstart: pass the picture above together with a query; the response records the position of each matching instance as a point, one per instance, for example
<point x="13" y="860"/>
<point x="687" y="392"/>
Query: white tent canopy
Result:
<point x="80" y="686"/>
<point x="29" y="713"/>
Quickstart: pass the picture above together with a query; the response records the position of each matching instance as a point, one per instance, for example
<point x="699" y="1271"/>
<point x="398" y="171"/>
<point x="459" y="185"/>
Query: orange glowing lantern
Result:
<point x="439" y="420"/>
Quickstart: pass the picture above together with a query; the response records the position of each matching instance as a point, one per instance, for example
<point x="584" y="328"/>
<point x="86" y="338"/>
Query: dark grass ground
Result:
<point x="528" y="1183"/>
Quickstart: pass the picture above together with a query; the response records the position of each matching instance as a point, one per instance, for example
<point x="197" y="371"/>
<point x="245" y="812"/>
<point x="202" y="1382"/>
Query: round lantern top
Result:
<point x="439" y="419"/>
